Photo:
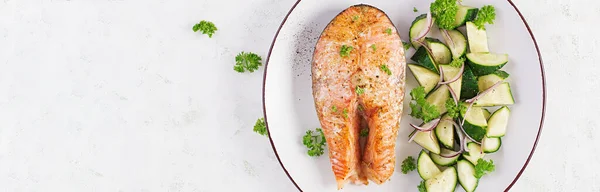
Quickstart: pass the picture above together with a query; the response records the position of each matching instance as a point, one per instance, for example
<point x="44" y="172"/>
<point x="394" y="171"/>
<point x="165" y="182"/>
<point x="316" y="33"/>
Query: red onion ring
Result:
<point x="447" y="35"/>
<point x="424" y="32"/>
<point x="453" y="95"/>
<point x="472" y="100"/>
<point x="428" y="126"/>
<point x="462" y="69"/>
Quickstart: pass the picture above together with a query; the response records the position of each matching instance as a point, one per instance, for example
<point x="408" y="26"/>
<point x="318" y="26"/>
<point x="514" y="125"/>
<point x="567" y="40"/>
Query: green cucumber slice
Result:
<point x="469" y="88"/>
<point x="475" y="123"/>
<point x="441" y="52"/>
<point x="475" y="153"/>
<point x="487" y="81"/>
<point x="445" y="132"/>
<point x="443" y="182"/>
<point x="449" y="73"/>
<point x="486" y="63"/>
<point x="500" y="95"/>
<point x="466" y="175"/>
<point x="498" y="122"/>
<point x="417" y="26"/>
<point x="478" y="42"/>
<point x="439" y="97"/>
<point x="422" y="58"/>
<point x="425" y="77"/>
<point x="425" y="166"/>
<point x="465" y="14"/>
<point x="443" y="161"/>
<point x="426" y="141"/>
<point x="457" y="43"/>
<point x="491" y="145"/>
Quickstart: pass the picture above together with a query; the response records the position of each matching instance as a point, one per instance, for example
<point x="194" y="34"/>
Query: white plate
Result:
<point x="289" y="108"/>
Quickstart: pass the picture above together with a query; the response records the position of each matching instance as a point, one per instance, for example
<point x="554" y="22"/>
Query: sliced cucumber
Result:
<point x="439" y="97"/>
<point x="486" y="81"/>
<point x="427" y="141"/>
<point x="426" y="78"/>
<point x="423" y="58"/>
<point x="498" y="122"/>
<point x="417" y="26"/>
<point x="445" y="132"/>
<point x="465" y="14"/>
<point x="487" y="114"/>
<point x="466" y="175"/>
<point x="469" y="87"/>
<point x="475" y="153"/>
<point x="443" y="182"/>
<point x="500" y="95"/>
<point x="425" y="166"/>
<point x="491" y="145"/>
<point x="475" y="123"/>
<point x="441" y="52"/>
<point x="486" y="63"/>
<point x="478" y="42"/>
<point x="449" y="73"/>
<point x="457" y="43"/>
<point x="443" y="161"/>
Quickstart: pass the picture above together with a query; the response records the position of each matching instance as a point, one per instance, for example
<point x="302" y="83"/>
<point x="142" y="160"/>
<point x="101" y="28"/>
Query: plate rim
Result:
<point x="543" y="94"/>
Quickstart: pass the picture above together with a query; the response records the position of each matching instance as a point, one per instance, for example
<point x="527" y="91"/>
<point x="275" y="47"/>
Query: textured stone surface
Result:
<point x="120" y="95"/>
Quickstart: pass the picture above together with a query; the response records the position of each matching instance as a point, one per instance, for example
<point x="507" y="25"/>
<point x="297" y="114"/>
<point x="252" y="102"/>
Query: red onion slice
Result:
<point x="412" y="137"/>
<point x="427" y="29"/>
<point x="428" y="126"/>
<point x="447" y="35"/>
<point x="453" y="95"/>
<point x="472" y="100"/>
<point x="460" y="72"/>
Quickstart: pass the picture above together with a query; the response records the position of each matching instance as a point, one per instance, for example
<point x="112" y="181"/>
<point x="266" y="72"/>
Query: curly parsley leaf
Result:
<point x="345" y="50"/>
<point x="455" y="110"/>
<point x="206" y="27"/>
<point x="444" y="12"/>
<point x="260" y="127"/>
<point x="406" y="45"/>
<point x="457" y="62"/>
<point x="421" y="187"/>
<point x="408" y="165"/>
<point x="315" y="142"/>
<point x="385" y="69"/>
<point x="483" y="167"/>
<point x="247" y="62"/>
<point x="420" y="108"/>
<point x="364" y="132"/>
<point x="487" y="14"/>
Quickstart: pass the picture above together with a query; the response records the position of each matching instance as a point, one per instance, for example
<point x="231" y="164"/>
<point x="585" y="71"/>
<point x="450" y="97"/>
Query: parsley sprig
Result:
<point x="457" y="62"/>
<point x="444" y="12"/>
<point x="206" y="27"/>
<point x="421" y="187"/>
<point x="260" y="127"/>
<point x="315" y="142"/>
<point x="455" y="110"/>
<point x="408" y="165"/>
<point x="247" y="62"/>
<point x="420" y="108"/>
<point x="345" y="50"/>
<point x="483" y="167"/>
<point x="487" y="14"/>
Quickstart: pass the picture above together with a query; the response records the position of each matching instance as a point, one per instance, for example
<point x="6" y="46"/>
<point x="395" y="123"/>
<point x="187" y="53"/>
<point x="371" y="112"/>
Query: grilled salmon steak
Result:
<point x="358" y="76"/>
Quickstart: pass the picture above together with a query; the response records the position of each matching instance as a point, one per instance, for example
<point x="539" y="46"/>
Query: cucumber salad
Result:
<point x="462" y="98"/>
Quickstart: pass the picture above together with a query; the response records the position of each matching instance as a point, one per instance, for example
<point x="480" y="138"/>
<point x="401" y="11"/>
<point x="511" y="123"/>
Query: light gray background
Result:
<point x="121" y="95"/>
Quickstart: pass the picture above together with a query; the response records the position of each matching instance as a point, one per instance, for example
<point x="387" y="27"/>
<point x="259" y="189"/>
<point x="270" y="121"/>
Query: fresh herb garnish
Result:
<point x="355" y="18"/>
<point x="206" y="27"/>
<point x="408" y="165"/>
<point x="421" y="109"/>
<point x="345" y="113"/>
<point x="457" y="62"/>
<point x="260" y="127"/>
<point x="345" y="50"/>
<point x="406" y="45"/>
<point x="334" y="109"/>
<point x="415" y="9"/>
<point x="247" y="62"/>
<point x="364" y="132"/>
<point x="483" y="167"/>
<point x="374" y="47"/>
<point x="359" y="90"/>
<point x="385" y="69"/>
<point x="421" y="187"/>
<point x="388" y="31"/>
<point x="444" y="12"/>
<point x="487" y="14"/>
<point x="315" y="142"/>
<point x="455" y="110"/>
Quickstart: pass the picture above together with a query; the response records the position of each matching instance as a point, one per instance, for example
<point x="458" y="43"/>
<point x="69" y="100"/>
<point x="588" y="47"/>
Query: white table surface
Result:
<point x="121" y="95"/>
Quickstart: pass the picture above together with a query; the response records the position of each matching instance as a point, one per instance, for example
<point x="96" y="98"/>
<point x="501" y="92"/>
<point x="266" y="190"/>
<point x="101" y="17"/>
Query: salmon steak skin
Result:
<point x="358" y="77"/>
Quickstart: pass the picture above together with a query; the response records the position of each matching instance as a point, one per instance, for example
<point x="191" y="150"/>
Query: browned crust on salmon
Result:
<point x="335" y="80"/>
